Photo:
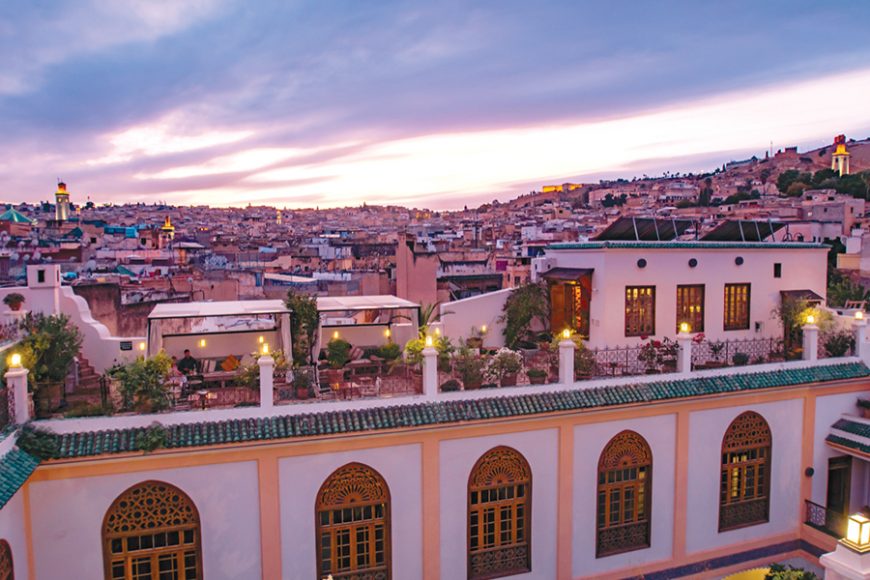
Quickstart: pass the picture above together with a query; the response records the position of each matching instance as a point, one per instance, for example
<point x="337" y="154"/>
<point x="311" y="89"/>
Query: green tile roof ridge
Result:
<point x="616" y="244"/>
<point x="15" y="467"/>
<point x="444" y="412"/>
<point x="857" y="445"/>
<point x="853" y="427"/>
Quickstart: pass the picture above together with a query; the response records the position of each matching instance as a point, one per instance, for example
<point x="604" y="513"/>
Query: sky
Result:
<point x="435" y="104"/>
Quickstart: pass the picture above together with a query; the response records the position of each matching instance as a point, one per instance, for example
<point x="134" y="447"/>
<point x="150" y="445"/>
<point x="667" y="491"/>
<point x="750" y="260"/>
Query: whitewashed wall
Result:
<point x="12" y="530"/>
<point x="589" y="442"/>
<point x="540" y="448"/>
<point x="828" y="410"/>
<point x="300" y="480"/>
<point x="459" y="316"/>
<point x="668" y="268"/>
<point x="706" y="429"/>
<point x="67" y="518"/>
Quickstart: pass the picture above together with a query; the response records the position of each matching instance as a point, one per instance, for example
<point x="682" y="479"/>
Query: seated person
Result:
<point x="188" y="365"/>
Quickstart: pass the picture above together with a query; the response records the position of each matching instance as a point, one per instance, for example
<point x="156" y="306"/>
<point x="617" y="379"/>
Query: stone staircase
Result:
<point x="88" y="388"/>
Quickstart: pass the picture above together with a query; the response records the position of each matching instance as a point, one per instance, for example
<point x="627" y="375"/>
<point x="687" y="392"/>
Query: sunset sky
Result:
<point x="427" y="104"/>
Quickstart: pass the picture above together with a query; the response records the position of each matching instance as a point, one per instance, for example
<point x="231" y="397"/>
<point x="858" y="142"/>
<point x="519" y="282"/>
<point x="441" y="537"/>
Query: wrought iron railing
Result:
<point x="824" y="519"/>
<point x="706" y="354"/>
<point x="622" y="538"/>
<point x="615" y="361"/>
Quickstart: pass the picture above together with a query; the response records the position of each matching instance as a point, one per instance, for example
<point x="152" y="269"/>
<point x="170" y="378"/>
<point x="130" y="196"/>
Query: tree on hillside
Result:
<point x="789" y="177"/>
<point x="854" y="185"/>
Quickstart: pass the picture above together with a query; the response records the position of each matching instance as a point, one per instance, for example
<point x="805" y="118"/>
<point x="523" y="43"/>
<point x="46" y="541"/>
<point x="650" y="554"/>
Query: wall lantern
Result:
<point x="142" y="346"/>
<point x="857" y="534"/>
<point x="201" y="343"/>
<point x="335" y="335"/>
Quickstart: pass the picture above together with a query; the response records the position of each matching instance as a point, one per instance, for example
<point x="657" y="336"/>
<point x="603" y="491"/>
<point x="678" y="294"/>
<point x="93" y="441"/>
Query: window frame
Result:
<point x="500" y="468"/>
<point x="691" y="289"/>
<point x="624" y="446"/>
<point x="365" y="479"/>
<point x="642" y="331"/>
<point x="749" y="432"/>
<point x="727" y="324"/>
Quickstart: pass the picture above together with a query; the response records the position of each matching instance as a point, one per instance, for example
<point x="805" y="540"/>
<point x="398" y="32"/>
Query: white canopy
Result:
<point x="222" y="308"/>
<point x="348" y="303"/>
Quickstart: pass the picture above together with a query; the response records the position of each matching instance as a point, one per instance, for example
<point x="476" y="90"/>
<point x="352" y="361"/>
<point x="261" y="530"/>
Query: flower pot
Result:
<point x="474" y="342"/>
<point x="472" y="385"/>
<point x="334" y="376"/>
<point x="302" y="393"/>
<point x="509" y="380"/>
<point x="538" y="379"/>
<point x="15" y="306"/>
<point x="865" y="412"/>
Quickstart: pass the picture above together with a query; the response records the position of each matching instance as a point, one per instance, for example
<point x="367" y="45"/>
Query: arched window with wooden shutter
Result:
<point x="744" y="486"/>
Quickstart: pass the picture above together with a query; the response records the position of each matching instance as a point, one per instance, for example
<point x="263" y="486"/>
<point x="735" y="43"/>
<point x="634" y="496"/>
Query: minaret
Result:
<point x="61" y="207"/>
<point x="279" y="218"/>
<point x="840" y="158"/>
<point x="167" y="233"/>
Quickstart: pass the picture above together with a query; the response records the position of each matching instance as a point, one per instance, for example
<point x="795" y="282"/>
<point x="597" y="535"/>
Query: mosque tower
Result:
<point x="61" y="207"/>
<point x="167" y="233"/>
<point x="840" y="158"/>
<point x="280" y="218"/>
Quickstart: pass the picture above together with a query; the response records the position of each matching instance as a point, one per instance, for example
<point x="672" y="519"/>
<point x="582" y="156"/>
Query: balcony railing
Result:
<point x="825" y="519"/>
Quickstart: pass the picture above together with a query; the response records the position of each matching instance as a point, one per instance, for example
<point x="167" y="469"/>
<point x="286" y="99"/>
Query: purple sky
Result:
<point x="436" y="104"/>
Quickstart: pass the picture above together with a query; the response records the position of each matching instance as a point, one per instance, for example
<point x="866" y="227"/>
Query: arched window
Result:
<point x="745" y="475"/>
<point x="624" y="495"/>
<point x="353" y="525"/>
<point x="151" y="532"/>
<point x="7" y="571"/>
<point x="499" y="515"/>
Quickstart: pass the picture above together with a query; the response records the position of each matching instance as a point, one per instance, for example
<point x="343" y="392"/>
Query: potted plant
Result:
<point x="740" y="359"/>
<point x="649" y="356"/>
<point x="302" y="385"/>
<point x="668" y="352"/>
<point x="537" y="376"/>
<point x="504" y="366"/>
<point x="14" y="300"/>
<point x="445" y="350"/>
<point x="544" y="340"/>
<point x="337" y="355"/>
<point x="469" y="367"/>
<point x="838" y="343"/>
<point x="584" y="360"/>
<point x="475" y="340"/>
<point x="450" y="386"/>
<point x="716" y="347"/>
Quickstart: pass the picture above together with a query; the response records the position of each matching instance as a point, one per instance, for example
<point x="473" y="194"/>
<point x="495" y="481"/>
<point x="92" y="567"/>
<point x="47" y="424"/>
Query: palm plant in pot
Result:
<point x="503" y="367"/>
<point x="13" y="300"/>
<point x="337" y="355"/>
<point x="537" y="376"/>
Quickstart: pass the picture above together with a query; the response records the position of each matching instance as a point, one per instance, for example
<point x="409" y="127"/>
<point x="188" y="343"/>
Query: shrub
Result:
<point x="304" y="323"/>
<point x="154" y="437"/>
<point x="450" y="386"/>
<point x="390" y="351"/>
<point x="414" y="351"/>
<point x="536" y="373"/>
<point x="740" y="359"/>
<point x="504" y="362"/>
<point x="85" y="410"/>
<point x="143" y="382"/>
<point x="469" y="366"/>
<point x="524" y="307"/>
<point x="338" y="352"/>
<point x="838" y="343"/>
<point x="42" y="444"/>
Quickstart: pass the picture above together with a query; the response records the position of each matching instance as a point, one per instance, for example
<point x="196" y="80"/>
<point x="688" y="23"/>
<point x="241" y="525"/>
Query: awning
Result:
<point x="850" y="435"/>
<point x="807" y="295"/>
<point x="567" y="274"/>
<point x="351" y="303"/>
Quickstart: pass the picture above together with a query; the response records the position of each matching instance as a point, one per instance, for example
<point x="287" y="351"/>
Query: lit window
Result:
<point x="640" y="310"/>
<point x="736" y="307"/>
<point x="745" y="474"/>
<point x="690" y="307"/>
<point x="499" y="515"/>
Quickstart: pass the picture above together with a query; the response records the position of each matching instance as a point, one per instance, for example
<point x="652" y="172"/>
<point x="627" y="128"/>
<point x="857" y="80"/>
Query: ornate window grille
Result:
<point x="690" y="307"/>
<point x="353" y="525"/>
<point x="640" y="310"/>
<point x="499" y="515"/>
<point x="744" y="492"/>
<point x="7" y="571"/>
<point x="152" y="532"/>
<point x="624" y="495"/>
<point x="736" y="306"/>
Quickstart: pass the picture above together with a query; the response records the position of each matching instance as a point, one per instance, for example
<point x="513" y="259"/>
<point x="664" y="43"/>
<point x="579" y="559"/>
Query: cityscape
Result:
<point x="406" y="292"/>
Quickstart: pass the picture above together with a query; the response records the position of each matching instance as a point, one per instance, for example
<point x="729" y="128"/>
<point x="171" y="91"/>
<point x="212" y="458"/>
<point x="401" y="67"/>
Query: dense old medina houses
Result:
<point x="688" y="472"/>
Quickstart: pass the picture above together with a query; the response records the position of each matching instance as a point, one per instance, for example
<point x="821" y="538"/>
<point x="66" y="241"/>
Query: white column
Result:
<point x="862" y="349"/>
<point x="17" y="396"/>
<point x="430" y="371"/>
<point x="566" y="361"/>
<point x="267" y="381"/>
<point x="811" y="342"/>
<point x="286" y="339"/>
<point x="684" y="353"/>
<point x="846" y="564"/>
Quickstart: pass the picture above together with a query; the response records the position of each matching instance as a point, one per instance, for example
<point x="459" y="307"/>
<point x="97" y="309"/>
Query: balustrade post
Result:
<point x="18" y="399"/>
<point x="811" y="341"/>
<point x="267" y="381"/>
<point x="566" y="361"/>
<point x="430" y="371"/>
<point x="684" y="354"/>
<point x="859" y="328"/>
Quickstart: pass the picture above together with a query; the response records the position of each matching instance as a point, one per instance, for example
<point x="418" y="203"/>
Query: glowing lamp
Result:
<point x="437" y="331"/>
<point x="335" y="335"/>
<point x="811" y="319"/>
<point x="15" y="361"/>
<point x="566" y="334"/>
<point x="857" y="533"/>
<point x="483" y="329"/>
<point x="428" y="341"/>
<point x="201" y="343"/>
<point x="387" y="333"/>
<point x="684" y="327"/>
<point x="142" y="346"/>
<point x="265" y="348"/>
<point x="261" y="339"/>
<point x="859" y="315"/>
